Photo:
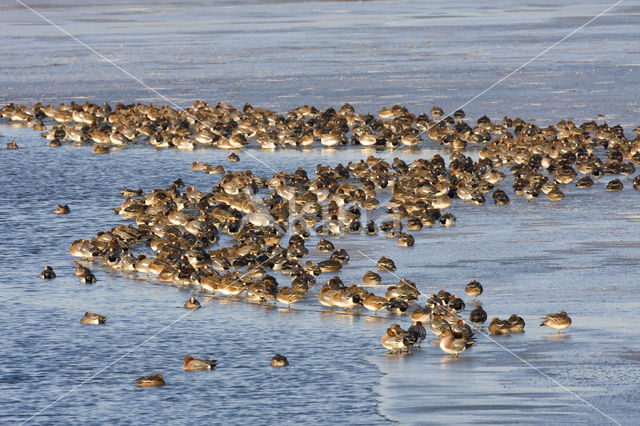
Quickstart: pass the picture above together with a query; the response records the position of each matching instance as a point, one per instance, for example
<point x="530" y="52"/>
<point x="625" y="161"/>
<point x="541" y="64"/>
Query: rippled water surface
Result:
<point x="581" y="255"/>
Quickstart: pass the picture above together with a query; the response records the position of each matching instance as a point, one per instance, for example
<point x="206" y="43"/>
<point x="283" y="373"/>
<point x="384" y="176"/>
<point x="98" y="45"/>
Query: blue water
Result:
<point x="581" y="255"/>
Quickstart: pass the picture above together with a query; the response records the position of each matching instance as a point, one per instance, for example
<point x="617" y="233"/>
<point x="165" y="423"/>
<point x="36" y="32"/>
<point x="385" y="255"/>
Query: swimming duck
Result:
<point x="146" y="381"/>
<point x="90" y="318"/>
<point x="454" y="343"/>
<point x="12" y="145"/>
<point x="473" y="289"/>
<point x="215" y="170"/>
<point x="80" y="271"/>
<point x="62" y="209"/>
<point x="233" y="157"/>
<point x="100" y="149"/>
<point x="88" y="278"/>
<point x="47" y="273"/>
<point x="193" y="364"/>
<point x="636" y="182"/>
<point x="279" y="361"/>
<point x="516" y="324"/>
<point x="192" y="303"/>
<point x="478" y="315"/>
<point x="559" y="321"/>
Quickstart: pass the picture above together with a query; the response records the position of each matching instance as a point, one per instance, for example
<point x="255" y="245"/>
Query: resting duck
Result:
<point x="48" y="273"/>
<point x="279" y="361"/>
<point x="192" y="303"/>
<point x="473" y="289"/>
<point x="193" y="364"/>
<point x="454" y="343"/>
<point x="90" y="318"/>
<point x="559" y="321"/>
<point x="146" y="381"/>
<point x="62" y="209"/>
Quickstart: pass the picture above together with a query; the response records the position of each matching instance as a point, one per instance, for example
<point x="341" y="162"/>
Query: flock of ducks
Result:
<point x="176" y="233"/>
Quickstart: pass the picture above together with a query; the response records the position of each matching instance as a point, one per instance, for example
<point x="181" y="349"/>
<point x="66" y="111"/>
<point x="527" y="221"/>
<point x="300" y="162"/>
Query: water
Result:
<point x="533" y="257"/>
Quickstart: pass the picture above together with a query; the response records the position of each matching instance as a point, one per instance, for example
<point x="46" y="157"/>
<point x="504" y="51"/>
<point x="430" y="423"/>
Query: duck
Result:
<point x="100" y="149"/>
<point x="516" y="324"/>
<point x="192" y="303"/>
<point x="438" y="324"/>
<point x="80" y="271"/>
<point x="455" y="304"/>
<point x="12" y="145"/>
<point x="288" y="296"/>
<point x="371" y="228"/>
<point x="478" y="315"/>
<point x="454" y="343"/>
<point x="473" y="289"/>
<point x="325" y="246"/>
<point x="555" y="195"/>
<point x="375" y="303"/>
<point x="233" y="157"/>
<point x="421" y="314"/>
<point x="584" y="182"/>
<point x="500" y="197"/>
<point x="279" y="361"/>
<point x="397" y="307"/>
<point x="231" y="288"/>
<point x="371" y="278"/>
<point x="406" y="240"/>
<point x="146" y="381"/>
<point x="215" y="170"/>
<point x="90" y="318"/>
<point x="386" y="264"/>
<point x="341" y="256"/>
<point x="447" y="219"/>
<point x="88" y="278"/>
<point x="417" y="332"/>
<point x="396" y="339"/>
<point x="463" y="328"/>
<point x="615" y="185"/>
<point x="62" y="209"/>
<point x="345" y="299"/>
<point x="192" y="364"/>
<point x="558" y="321"/>
<point x="498" y="327"/>
<point x="47" y="273"/>
<point x="330" y="265"/>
